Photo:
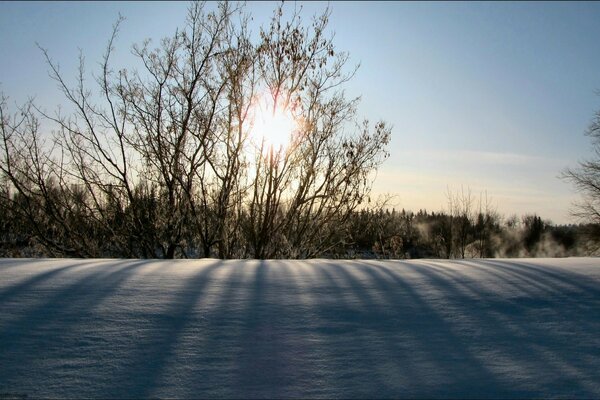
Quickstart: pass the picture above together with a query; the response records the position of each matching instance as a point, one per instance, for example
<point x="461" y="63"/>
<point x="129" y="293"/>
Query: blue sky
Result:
<point x="491" y="96"/>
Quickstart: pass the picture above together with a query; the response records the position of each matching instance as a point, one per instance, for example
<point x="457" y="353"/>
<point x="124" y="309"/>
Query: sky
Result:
<point x="493" y="97"/>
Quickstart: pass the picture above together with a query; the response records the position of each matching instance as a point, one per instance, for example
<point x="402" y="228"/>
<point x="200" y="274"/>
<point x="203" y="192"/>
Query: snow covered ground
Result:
<point x="318" y="328"/>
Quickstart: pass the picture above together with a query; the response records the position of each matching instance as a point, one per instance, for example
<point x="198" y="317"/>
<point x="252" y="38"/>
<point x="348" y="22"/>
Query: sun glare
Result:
<point x="272" y="123"/>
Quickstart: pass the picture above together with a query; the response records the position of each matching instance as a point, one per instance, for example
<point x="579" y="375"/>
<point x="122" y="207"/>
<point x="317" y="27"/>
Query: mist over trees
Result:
<point x="389" y="233"/>
<point x="161" y="163"/>
<point x="468" y="227"/>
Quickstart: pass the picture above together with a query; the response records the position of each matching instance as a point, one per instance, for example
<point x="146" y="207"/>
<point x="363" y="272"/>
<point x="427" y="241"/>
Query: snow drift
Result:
<point x="318" y="328"/>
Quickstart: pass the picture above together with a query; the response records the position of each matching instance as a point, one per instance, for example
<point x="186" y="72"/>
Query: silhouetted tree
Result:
<point x="586" y="179"/>
<point x="460" y="208"/>
<point x="160" y="163"/>
<point x="533" y="229"/>
<point x="486" y="225"/>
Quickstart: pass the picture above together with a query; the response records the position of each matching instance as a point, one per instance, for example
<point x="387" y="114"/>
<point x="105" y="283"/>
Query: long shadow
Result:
<point x="548" y="359"/>
<point x="37" y="279"/>
<point x="361" y="319"/>
<point x="488" y="279"/>
<point x="240" y="350"/>
<point x="127" y="348"/>
<point x="9" y="263"/>
<point x="562" y="294"/>
<point x="261" y="363"/>
<point x="36" y="342"/>
<point x="227" y="347"/>
<point x="515" y="280"/>
<point x="567" y="315"/>
<point x="269" y="336"/>
<point x="555" y="279"/>
<point x="436" y="348"/>
<point x="339" y="326"/>
<point x="261" y="329"/>
<point x="272" y="359"/>
<point x="358" y="333"/>
<point x="143" y="368"/>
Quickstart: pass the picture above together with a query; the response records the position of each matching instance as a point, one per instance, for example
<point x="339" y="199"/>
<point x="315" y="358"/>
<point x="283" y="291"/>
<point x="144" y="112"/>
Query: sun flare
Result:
<point x="272" y="124"/>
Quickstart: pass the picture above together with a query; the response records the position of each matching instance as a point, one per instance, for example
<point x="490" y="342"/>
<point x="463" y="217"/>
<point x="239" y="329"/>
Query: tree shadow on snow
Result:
<point x="316" y="328"/>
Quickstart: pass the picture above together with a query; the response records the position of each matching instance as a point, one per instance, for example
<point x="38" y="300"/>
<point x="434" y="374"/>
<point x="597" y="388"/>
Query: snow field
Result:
<point x="317" y="328"/>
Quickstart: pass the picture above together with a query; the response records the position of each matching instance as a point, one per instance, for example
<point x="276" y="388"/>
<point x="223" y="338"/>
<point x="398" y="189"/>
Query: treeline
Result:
<point x="404" y="234"/>
<point x="63" y="225"/>
<point x="59" y="223"/>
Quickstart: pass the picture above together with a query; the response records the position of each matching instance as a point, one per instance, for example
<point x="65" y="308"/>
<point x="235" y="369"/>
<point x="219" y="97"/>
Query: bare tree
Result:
<point x="303" y="195"/>
<point x="148" y="146"/>
<point x="460" y="208"/>
<point x="586" y="178"/>
<point x="156" y="161"/>
<point x="485" y="224"/>
<point x="39" y="191"/>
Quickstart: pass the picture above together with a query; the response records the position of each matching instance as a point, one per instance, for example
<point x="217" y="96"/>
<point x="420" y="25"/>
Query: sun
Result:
<point x="271" y="125"/>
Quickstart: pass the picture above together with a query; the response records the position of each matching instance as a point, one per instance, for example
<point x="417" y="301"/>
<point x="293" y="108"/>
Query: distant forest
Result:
<point x="404" y="234"/>
<point x="369" y="233"/>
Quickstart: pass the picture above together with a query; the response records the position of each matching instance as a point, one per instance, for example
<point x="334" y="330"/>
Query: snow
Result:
<point x="317" y="328"/>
